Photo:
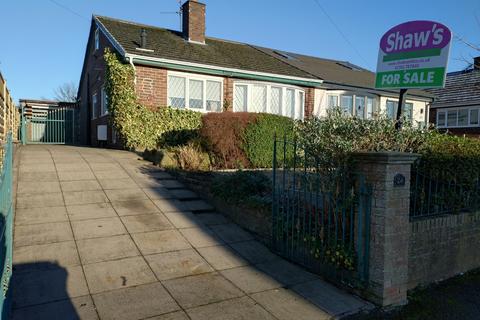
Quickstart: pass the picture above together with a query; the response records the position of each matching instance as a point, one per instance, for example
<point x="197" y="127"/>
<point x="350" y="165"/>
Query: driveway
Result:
<point x="100" y="234"/>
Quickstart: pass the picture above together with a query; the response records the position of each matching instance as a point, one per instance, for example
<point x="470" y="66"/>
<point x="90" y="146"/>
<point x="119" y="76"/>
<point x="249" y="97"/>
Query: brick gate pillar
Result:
<point x="389" y="175"/>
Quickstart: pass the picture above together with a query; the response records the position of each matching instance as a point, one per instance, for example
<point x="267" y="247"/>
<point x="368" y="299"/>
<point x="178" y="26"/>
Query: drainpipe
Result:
<point x="130" y="60"/>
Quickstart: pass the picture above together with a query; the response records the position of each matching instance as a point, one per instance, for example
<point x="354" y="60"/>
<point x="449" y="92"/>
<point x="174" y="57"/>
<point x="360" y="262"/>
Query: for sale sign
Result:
<point x="413" y="55"/>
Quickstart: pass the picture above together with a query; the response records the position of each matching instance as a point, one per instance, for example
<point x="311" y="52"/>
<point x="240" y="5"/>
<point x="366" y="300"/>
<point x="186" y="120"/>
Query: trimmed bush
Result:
<point x="223" y="136"/>
<point x="259" y="135"/>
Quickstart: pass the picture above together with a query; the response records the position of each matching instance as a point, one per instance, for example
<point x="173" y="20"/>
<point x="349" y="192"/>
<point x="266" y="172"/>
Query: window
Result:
<point x="346" y="102"/>
<point x="407" y="111"/>
<point x="94" y="106"/>
<point x="462" y="117"/>
<point x="360" y="107"/>
<point x="214" y="93"/>
<point x="104" y="102"/>
<point x="97" y="39"/>
<point x="240" y="99"/>
<point x="441" y="119"/>
<point x="392" y="109"/>
<point x="196" y="92"/>
<point x="332" y="101"/>
<point x="474" y="117"/>
<point x="176" y="92"/>
<point x="452" y="118"/>
<point x="370" y="107"/>
<point x="275" y="99"/>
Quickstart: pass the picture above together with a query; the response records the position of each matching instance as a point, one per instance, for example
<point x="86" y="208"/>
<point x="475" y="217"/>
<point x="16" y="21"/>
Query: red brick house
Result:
<point x="186" y="69"/>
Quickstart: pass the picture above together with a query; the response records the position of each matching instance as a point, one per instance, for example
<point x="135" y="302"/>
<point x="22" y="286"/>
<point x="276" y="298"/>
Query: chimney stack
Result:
<point x="476" y="63"/>
<point x="193" y="21"/>
<point x="143" y="39"/>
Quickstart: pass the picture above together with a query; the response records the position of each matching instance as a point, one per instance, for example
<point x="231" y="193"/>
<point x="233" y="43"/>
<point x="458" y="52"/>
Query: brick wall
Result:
<point x="309" y="101"/>
<point x="440" y="248"/>
<point x="151" y="86"/>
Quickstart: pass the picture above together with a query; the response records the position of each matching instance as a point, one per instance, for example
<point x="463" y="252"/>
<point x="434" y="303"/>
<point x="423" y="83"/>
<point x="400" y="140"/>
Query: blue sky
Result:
<point x="43" y="42"/>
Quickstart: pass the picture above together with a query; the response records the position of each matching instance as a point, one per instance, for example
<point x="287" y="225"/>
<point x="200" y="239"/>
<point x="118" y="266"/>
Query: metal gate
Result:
<point x="320" y="216"/>
<point x="49" y="126"/>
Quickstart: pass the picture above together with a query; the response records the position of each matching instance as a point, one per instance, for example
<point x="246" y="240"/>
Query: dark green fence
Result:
<point x="320" y="215"/>
<point x="437" y="190"/>
<point x="6" y="225"/>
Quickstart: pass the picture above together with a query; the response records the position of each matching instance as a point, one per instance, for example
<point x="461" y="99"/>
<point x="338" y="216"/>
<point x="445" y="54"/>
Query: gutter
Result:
<point x="221" y="71"/>
<point x="130" y="60"/>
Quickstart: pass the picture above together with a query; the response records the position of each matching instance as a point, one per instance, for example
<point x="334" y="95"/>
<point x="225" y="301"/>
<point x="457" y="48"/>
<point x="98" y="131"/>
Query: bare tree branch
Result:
<point x="67" y="92"/>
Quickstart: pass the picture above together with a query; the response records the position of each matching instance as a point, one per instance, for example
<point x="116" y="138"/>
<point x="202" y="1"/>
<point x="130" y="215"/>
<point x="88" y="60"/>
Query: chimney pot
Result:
<point x="143" y="39"/>
<point x="193" y="21"/>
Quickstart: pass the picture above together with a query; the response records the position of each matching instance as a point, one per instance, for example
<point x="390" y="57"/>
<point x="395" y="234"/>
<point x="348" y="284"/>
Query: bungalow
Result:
<point x="457" y="106"/>
<point x="189" y="70"/>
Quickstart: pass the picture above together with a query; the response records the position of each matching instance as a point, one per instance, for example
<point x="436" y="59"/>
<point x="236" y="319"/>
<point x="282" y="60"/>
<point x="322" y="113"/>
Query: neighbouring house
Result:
<point x="186" y="69"/>
<point x="457" y="106"/>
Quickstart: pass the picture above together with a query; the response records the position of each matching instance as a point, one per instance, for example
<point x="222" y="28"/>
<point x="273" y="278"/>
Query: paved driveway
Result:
<point x="100" y="234"/>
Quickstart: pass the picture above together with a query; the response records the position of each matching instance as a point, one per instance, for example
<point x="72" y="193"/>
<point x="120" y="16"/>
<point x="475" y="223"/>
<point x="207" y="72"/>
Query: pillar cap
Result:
<point x="386" y="157"/>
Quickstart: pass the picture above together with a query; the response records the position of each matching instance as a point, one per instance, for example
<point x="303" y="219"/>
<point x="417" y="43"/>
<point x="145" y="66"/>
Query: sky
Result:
<point x="43" y="42"/>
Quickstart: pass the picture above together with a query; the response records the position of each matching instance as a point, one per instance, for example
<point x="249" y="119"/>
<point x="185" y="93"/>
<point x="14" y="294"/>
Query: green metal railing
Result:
<point x="6" y="226"/>
<point x="436" y="190"/>
<point x="320" y="215"/>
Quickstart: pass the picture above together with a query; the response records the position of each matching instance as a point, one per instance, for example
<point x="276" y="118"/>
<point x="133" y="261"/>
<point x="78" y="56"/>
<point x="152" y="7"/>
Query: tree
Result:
<point x="67" y="92"/>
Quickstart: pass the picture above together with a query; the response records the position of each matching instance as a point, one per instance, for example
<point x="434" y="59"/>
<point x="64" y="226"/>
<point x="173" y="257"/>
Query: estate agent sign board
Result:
<point x="413" y="55"/>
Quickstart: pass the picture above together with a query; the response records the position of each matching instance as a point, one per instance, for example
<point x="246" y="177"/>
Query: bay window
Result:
<point x="195" y="92"/>
<point x="269" y="98"/>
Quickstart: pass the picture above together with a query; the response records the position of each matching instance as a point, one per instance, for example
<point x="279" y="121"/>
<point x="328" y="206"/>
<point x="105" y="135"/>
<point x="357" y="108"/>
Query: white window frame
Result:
<point x="97" y="39"/>
<point x="469" y="109"/>
<point x="204" y="79"/>
<point x="354" y="96"/>
<point x="283" y="97"/>
<point x="103" y="102"/>
<point x="94" y="105"/>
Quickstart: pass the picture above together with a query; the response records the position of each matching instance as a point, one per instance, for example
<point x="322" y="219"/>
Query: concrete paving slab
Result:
<point x="39" y="167"/>
<point x="90" y="211"/>
<point x="286" y="305"/>
<point x="118" y="183"/>
<point x="33" y="187"/>
<point x="146" y="222"/>
<point x="330" y="298"/>
<point x="84" y="197"/>
<point x="169" y="205"/>
<point x="197" y="205"/>
<point x="24" y="216"/>
<point x="285" y="272"/>
<point x="160" y="241"/>
<point x="38" y="176"/>
<point x="184" y="219"/>
<point x="231" y="233"/>
<point x="126" y="194"/>
<point x="156" y="174"/>
<point x="178" y="315"/>
<point x="250" y="279"/>
<point x="254" y="251"/>
<point x="177" y="264"/>
<point x="75" y="175"/>
<point x="134" y="207"/>
<point x="242" y="308"/>
<point x="105" y="249"/>
<point x="222" y="257"/>
<point x="201" y="237"/>
<point x="158" y="193"/>
<point x="172" y="184"/>
<point x="116" y="274"/>
<point x="102" y="166"/>
<point x="135" y="303"/>
<point x="30" y="288"/>
<point x="98" y="228"/>
<point x="61" y="254"/>
<point x="112" y="174"/>
<point x="211" y="219"/>
<point x="183" y="194"/>
<point x="42" y="233"/>
<point x="81" y="185"/>
<point x="77" y="166"/>
<point x="29" y="200"/>
<point x="145" y="182"/>
<point x="75" y="308"/>
<point x="201" y="289"/>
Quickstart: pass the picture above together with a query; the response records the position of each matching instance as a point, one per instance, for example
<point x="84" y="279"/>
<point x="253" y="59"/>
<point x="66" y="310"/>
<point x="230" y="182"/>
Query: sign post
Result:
<point x="413" y="55"/>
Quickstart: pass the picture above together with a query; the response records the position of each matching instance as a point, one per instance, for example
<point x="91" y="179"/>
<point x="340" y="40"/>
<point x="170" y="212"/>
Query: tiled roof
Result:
<point x="169" y="44"/>
<point x="460" y="87"/>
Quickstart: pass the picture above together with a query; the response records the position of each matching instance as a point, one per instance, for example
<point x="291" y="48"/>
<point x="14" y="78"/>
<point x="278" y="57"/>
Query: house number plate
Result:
<point x="399" y="180"/>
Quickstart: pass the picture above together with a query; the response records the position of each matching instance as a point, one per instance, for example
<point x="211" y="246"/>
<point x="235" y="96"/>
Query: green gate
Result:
<point x="320" y="216"/>
<point x="49" y="126"/>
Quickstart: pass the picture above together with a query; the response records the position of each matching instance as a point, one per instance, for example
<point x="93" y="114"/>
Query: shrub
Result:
<point x="258" y="138"/>
<point x="223" y="135"/>
<point x="252" y="188"/>
<point x="191" y="157"/>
